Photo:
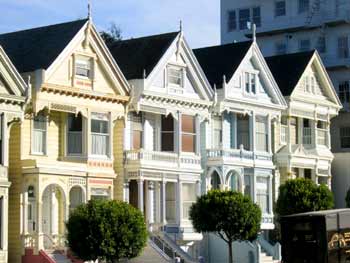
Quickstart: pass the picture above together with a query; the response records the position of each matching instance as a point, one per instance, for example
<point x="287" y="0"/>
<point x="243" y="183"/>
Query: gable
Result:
<point x="179" y="74"/>
<point x="87" y="53"/>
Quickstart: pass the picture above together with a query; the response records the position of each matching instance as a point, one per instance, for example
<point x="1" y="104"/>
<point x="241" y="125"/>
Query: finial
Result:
<point x="215" y="94"/>
<point x="254" y="32"/>
<point x="180" y="25"/>
<point x="224" y="79"/>
<point x="89" y="9"/>
<point x="144" y="74"/>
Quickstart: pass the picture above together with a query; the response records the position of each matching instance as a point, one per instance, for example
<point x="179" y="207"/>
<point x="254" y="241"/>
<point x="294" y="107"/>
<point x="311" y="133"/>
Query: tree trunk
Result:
<point x="230" y="255"/>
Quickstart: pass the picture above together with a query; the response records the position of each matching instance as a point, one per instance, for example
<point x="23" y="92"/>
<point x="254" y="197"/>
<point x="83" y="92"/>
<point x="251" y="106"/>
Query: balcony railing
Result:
<point x="230" y="153"/>
<point x="161" y="158"/>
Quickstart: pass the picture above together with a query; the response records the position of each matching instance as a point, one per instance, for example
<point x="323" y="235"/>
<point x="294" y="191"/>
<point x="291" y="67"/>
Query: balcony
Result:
<point x="161" y="160"/>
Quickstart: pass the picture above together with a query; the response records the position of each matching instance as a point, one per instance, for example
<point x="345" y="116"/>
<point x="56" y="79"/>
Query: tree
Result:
<point x="303" y="195"/>
<point x="347" y="199"/>
<point x="112" y="35"/>
<point x="106" y="230"/>
<point x="230" y="215"/>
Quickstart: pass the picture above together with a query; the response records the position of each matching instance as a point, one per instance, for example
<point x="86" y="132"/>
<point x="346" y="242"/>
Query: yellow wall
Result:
<point x="118" y="159"/>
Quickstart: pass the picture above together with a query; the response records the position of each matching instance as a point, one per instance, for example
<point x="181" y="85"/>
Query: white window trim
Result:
<point x="32" y="152"/>
<point x="257" y="87"/>
<point x="182" y="68"/>
<point x="109" y="153"/>
<point x="83" y="138"/>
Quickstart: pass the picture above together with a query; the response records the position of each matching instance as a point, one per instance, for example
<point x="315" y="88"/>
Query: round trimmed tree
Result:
<point x="106" y="230"/>
<point x="303" y="195"/>
<point x="230" y="215"/>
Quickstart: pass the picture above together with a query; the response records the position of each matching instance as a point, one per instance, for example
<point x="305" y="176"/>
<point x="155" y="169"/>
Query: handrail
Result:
<point x="272" y="250"/>
<point x="178" y="250"/>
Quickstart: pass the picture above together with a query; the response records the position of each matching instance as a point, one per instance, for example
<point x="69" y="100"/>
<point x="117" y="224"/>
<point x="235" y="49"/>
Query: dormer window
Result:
<point x="83" y="67"/>
<point x="175" y="76"/>
<point x="250" y="82"/>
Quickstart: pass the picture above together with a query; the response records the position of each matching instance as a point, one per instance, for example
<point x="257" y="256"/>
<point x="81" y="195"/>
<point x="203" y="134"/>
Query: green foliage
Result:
<point x="112" y="35"/>
<point x="303" y="195"/>
<point x="347" y="199"/>
<point x="226" y="212"/>
<point x="106" y="230"/>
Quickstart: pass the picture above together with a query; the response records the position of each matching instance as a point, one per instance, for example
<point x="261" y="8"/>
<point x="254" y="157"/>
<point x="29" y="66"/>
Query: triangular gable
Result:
<point x="89" y="36"/>
<point x="11" y="83"/>
<point x="255" y="56"/>
<point x="180" y="53"/>
<point x="324" y="86"/>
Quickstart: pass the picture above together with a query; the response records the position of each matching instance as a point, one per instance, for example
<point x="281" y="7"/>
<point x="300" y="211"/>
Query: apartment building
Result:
<point x="289" y="26"/>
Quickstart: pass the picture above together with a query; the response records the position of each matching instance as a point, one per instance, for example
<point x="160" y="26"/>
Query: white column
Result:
<point x="328" y="138"/>
<point x="269" y="135"/>
<point x="140" y="194"/>
<point x="179" y="201"/>
<point x="234" y="131"/>
<point x="150" y="202"/>
<point x="126" y="192"/>
<point x="163" y="202"/>
<point x="157" y="198"/>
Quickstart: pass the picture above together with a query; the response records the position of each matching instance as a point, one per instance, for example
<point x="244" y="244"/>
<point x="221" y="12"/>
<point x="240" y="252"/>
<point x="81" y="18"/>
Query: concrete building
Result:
<point x="288" y="26"/>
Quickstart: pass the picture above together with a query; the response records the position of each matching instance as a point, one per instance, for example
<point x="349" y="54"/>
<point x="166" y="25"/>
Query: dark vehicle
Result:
<point x="316" y="237"/>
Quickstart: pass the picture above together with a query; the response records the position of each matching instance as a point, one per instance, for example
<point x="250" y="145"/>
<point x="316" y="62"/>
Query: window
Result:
<point x="188" y="133"/>
<point x="256" y="16"/>
<point x="217" y="132"/>
<point x="170" y="202"/>
<point x="343" y="47"/>
<point x="307" y="86"/>
<point x="262" y="194"/>
<point x="243" y="131"/>
<point x="99" y="134"/>
<point x="1" y="220"/>
<point x="100" y="194"/>
<point x="344" y="92"/>
<point x="231" y="21"/>
<point x="137" y="131"/>
<point x="247" y="185"/>
<point x="307" y="173"/>
<point x="1" y="140"/>
<point x="280" y="8"/>
<point x="75" y="134"/>
<point x="83" y="68"/>
<point x="39" y="134"/>
<point x="189" y="197"/>
<point x="281" y="48"/>
<point x="322" y="180"/>
<point x="250" y="82"/>
<point x="345" y="137"/>
<point x="304" y="45"/>
<point x="244" y="18"/>
<point x="167" y="134"/>
<point x="306" y="131"/>
<point x="303" y="6"/>
<point x="234" y="183"/>
<point x="261" y="133"/>
<point x="175" y="76"/>
<point x="321" y="44"/>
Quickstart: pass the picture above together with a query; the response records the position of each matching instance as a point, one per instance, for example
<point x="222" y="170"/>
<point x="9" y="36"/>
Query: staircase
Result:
<point x="57" y="256"/>
<point x="264" y="258"/>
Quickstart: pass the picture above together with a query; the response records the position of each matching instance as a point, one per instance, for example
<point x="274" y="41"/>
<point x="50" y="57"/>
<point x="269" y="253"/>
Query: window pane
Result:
<point x="136" y="139"/>
<point x="321" y="44"/>
<point x="261" y="133"/>
<point x="39" y="134"/>
<point x="345" y="137"/>
<point x="280" y="8"/>
<point x="303" y="6"/>
<point x="304" y="45"/>
<point x="98" y="126"/>
<point x="231" y="21"/>
<point x="83" y="68"/>
<point x="256" y="16"/>
<point x="175" y="76"/>
<point x="188" y="143"/>
<point x="244" y="18"/>
<point x="188" y="124"/>
<point x="75" y="123"/>
<point x="263" y="194"/>
<point x="247" y="86"/>
<point x="252" y="83"/>
<point x="243" y="131"/>
<point x="99" y="144"/>
<point x="343" y="47"/>
<point x="167" y="123"/>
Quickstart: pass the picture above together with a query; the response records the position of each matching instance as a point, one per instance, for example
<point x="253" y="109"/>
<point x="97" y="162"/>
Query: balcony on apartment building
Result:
<point x="162" y="142"/>
<point x="240" y="140"/>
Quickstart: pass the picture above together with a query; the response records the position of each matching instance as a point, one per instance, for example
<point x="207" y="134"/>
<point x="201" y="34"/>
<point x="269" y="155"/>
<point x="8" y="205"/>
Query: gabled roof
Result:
<point x="134" y="56"/>
<point x="38" y="48"/>
<point x="287" y="69"/>
<point x="218" y="61"/>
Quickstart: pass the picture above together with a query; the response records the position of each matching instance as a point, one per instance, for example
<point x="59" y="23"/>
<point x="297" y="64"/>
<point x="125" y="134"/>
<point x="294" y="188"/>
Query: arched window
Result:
<point x="234" y="183"/>
<point x="215" y="180"/>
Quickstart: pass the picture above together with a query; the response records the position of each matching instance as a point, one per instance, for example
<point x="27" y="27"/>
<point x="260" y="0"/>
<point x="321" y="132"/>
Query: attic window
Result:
<point x="250" y="82"/>
<point x="175" y="76"/>
<point x="83" y="68"/>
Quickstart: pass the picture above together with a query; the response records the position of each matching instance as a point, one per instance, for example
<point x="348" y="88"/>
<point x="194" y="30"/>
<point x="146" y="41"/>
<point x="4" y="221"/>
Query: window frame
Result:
<point x="342" y="137"/>
<point x="167" y="132"/>
<point x="263" y="120"/>
<point x="82" y="137"/>
<point x="217" y="127"/>
<point x="185" y="133"/>
<point x="33" y="152"/>
<point x="344" y="94"/>
<point x="241" y="24"/>
<point x="88" y="62"/>
<point x="182" y="76"/>
<point x="136" y="123"/>
<point x="108" y="134"/>
<point x="255" y="76"/>
<point x="268" y="193"/>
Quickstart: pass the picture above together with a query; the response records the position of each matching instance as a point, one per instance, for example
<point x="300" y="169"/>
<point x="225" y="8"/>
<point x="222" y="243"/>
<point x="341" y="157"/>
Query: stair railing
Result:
<point x="272" y="250"/>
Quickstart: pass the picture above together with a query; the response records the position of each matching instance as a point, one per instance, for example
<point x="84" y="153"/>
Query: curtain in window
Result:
<point x="261" y="133"/>
<point x="39" y="134"/>
<point x="262" y="194"/>
<point x="99" y="135"/>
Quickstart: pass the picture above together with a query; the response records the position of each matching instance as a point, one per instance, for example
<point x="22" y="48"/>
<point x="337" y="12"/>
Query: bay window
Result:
<point x="261" y="133"/>
<point x="188" y="198"/>
<point x="39" y="134"/>
<point x="137" y="131"/>
<point x="99" y="134"/>
<point x="262" y="194"/>
<point x="75" y="134"/>
<point x="188" y="133"/>
<point x="167" y="133"/>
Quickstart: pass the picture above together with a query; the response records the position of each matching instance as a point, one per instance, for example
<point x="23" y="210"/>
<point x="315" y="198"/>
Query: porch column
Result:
<point x="179" y="202"/>
<point x="150" y="202"/>
<point x="25" y="213"/>
<point x="126" y="191"/>
<point x="140" y="194"/>
<point x="163" y="188"/>
<point x="53" y="212"/>
<point x="39" y="222"/>
<point x="157" y="196"/>
<point x="252" y="131"/>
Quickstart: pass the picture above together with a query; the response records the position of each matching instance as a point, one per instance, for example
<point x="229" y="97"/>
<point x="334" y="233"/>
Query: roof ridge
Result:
<point x="147" y="37"/>
<point x="309" y="52"/>
<point x="225" y="45"/>
<point x="42" y="27"/>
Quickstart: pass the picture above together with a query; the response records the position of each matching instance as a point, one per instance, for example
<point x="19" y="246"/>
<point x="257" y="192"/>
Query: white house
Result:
<point x="170" y="100"/>
<point x="239" y="139"/>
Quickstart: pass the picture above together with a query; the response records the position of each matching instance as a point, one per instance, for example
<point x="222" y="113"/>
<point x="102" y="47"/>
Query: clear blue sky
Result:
<point x="134" y="17"/>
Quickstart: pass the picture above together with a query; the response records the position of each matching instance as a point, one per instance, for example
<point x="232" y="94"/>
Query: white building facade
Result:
<point x="288" y="26"/>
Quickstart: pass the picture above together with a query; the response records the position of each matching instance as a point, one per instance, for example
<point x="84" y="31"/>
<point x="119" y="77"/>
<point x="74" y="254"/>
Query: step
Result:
<point x="149" y="255"/>
<point x="58" y="257"/>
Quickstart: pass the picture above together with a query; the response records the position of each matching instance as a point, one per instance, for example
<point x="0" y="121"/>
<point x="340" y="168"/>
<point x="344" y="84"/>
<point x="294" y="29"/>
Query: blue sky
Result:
<point x="201" y="18"/>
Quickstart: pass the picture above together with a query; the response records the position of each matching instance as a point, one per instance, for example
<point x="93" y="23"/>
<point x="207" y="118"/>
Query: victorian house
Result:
<point x="62" y="153"/>
<point x="170" y="102"/>
<point x="238" y="145"/>
<point x="302" y="137"/>
<point x="12" y="102"/>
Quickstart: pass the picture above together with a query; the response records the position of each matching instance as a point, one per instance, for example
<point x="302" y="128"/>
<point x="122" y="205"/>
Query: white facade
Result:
<point x="288" y="26"/>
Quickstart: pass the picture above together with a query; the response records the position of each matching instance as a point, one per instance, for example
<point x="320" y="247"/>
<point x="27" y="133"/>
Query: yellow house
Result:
<point x="12" y="100"/>
<point x="65" y="150"/>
